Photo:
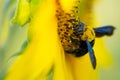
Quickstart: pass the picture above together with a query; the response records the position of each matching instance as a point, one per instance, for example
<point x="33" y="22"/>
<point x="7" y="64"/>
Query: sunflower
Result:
<point x="43" y="57"/>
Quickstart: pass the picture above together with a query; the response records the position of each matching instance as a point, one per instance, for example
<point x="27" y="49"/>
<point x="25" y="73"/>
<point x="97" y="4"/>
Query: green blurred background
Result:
<point x="12" y="36"/>
<point x="108" y="12"/>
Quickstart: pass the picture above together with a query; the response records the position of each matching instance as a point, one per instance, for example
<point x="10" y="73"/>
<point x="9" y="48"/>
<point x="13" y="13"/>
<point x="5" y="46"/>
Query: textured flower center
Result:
<point x="68" y="24"/>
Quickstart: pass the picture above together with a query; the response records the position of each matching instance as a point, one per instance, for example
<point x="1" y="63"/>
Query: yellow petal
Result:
<point x="68" y="5"/>
<point x="81" y="67"/>
<point x="22" y="14"/>
<point x="37" y="60"/>
<point x="86" y="12"/>
<point x="104" y="59"/>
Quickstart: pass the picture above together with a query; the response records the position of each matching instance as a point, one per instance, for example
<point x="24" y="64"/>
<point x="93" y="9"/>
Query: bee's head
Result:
<point x="84" y="32"/>
<point x="79" y="28"/>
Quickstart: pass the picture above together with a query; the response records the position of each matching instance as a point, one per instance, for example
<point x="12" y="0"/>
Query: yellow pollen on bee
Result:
<point x="88" y="34"/>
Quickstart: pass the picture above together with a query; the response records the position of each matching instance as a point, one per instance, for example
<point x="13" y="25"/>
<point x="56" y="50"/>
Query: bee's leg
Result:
<point x="91" y="54"/>
<point x="105" y="30"/>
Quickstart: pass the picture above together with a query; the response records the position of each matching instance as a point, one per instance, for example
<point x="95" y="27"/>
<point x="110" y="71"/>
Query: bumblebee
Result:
<point x="76" y="37"/>
<point x="87" y="39"/>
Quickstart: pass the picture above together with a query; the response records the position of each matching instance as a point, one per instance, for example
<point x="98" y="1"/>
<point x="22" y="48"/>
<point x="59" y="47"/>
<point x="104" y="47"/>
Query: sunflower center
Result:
<point x="70" y="29"/>
<point x="66" y="23"/>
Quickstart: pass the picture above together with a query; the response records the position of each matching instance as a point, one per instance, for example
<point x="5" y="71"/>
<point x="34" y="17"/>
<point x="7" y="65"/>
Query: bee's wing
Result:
<point x="105" y="30"/>
<point x="91" y="53"/>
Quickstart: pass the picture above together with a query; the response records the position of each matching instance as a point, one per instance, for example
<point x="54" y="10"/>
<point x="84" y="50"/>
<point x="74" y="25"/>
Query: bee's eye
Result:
<point x="82" y="24"/>
<point x="81" y="33"/>
<point x="80" y="28"/>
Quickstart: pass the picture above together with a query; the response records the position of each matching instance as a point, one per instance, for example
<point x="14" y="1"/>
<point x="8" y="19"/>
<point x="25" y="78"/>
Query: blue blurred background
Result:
<point x="12" y="36"/>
